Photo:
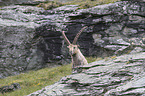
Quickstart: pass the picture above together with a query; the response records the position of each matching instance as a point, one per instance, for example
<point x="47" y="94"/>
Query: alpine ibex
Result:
<point x="76" y="55"/>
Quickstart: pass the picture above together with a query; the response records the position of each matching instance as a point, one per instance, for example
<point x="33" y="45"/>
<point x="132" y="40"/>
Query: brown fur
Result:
<point x="78" y="58"/>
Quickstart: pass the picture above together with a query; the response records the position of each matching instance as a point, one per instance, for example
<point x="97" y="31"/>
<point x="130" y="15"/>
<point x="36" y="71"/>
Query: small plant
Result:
<point x="113" y="57"/>
<point x="92" y="59"/>
<point x="50" y="5"/>
<point x="127" y="62"/>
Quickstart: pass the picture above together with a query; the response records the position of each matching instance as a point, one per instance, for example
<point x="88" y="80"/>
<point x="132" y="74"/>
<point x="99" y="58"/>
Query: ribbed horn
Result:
<point x="77" y="36"/>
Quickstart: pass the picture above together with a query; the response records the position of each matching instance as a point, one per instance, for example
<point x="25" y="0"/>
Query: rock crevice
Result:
<point x="30" y="37"/>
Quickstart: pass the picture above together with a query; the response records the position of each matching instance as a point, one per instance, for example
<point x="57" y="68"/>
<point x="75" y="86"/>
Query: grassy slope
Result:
<point x="81" y="3"/>
<point x="36" y="80"/>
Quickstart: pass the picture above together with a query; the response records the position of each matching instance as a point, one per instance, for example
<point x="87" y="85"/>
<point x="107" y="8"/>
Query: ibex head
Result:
<point x="73" y="48"/>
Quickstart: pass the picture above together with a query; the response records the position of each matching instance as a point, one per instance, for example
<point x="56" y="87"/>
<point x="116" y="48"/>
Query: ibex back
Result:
<point x="76" y="55"/>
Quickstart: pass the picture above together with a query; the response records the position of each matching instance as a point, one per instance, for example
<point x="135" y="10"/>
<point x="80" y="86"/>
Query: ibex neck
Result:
<point x="78" y="53"/>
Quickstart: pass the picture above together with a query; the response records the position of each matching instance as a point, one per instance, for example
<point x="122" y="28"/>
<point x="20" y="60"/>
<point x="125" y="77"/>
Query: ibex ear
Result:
<point x="77" y="36"/>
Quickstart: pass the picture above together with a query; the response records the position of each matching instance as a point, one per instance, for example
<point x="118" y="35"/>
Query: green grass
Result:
<point x="90" y="3"/>
<point x="92" y="59"/>
<point x="81" y="3"/>
<point x="35" y="80"/>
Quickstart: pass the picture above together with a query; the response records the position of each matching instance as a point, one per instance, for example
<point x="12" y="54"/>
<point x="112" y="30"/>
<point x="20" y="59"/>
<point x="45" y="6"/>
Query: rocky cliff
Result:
<point x="115" y="28"/>
<point x="30" y="37"/>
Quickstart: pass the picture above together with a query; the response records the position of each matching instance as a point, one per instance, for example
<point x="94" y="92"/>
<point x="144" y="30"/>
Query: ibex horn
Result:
<point x="77" y="36"/>
<point x="65" y="38"/>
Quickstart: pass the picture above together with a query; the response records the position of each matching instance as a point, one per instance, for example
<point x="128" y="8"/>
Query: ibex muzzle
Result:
<point x="76" y="55"/>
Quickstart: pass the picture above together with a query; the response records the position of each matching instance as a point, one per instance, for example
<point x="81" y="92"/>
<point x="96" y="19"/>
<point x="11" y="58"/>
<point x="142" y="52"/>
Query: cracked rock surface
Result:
<point x="107" y="77"/>
<point x="30" y="37"/>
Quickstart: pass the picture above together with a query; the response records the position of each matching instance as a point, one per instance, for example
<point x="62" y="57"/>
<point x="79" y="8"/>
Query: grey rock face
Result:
<point x="11" y="2"/>
<point x="108" y="77"/>
<point x="18" y="48"/>
<point x="115" y="28"/>
<point x="30" y="37"/>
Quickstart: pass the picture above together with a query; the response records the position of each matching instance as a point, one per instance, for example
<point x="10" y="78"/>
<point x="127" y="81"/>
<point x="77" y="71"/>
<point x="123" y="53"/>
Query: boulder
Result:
<point x="10" y="88"/>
